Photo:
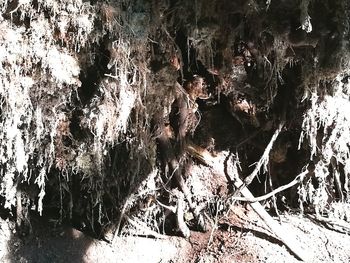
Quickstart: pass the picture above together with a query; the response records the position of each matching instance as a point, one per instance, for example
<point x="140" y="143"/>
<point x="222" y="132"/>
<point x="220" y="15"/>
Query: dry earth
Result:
<point x="236" y="240"/>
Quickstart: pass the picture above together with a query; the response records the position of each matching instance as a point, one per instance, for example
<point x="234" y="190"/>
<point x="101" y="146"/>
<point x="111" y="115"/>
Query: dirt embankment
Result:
<point x="139" y="118"/>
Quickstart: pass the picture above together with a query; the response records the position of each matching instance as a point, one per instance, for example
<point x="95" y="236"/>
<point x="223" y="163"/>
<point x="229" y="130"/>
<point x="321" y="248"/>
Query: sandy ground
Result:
<point x="233" y="241"/>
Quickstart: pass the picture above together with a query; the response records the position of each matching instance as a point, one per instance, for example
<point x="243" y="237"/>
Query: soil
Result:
<point x="235" y="234"/>
<point x="235" y="239"/>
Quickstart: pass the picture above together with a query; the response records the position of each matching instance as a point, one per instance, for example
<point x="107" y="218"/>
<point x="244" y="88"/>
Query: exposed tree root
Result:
<point x="297" y="180"/>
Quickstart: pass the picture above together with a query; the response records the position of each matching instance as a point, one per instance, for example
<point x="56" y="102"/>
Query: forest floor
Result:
<point x="236" y="240"/>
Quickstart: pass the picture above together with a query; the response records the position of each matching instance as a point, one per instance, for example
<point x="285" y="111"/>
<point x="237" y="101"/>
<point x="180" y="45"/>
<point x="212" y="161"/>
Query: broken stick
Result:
<point x="296" y="180"/>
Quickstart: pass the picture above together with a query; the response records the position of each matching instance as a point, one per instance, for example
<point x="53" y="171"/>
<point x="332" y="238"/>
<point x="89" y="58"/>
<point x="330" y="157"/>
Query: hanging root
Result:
<point x="169" y="157"/>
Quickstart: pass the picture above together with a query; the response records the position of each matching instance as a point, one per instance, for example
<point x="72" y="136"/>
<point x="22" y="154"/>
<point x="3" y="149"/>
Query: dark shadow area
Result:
<point x="217" y="124"/>
<point x="91" y="77"/>
<point x="48" y="243"/>
<point x="125" y="171"/>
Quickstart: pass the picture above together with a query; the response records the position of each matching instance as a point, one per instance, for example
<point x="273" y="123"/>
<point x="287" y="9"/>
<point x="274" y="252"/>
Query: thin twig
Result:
<point x="251" y="136"/>
<point x="122" y="214"/>
<point x="214" y="225"/>
<point x="297" y="179"/>
<point x="145" y="230"/>
<point x="338" y="225"/>
<point x="168" y="207"/>
<point x="262" y="162"/>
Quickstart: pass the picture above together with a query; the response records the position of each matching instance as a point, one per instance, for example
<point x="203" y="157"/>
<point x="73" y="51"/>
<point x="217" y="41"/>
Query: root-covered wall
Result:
<point x="87" y="88"/>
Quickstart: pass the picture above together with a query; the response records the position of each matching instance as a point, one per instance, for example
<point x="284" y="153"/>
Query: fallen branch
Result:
<point x="297" y="179"/>
<point x="275" y="227"/>
<point x="262" y="163"/>
<point x="338" y="225"/>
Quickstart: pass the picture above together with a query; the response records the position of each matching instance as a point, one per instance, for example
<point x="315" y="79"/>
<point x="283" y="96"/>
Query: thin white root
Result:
<point x="297" y="179"/>
<point x="185" y="231"/>
<point x="144" y="229"/>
